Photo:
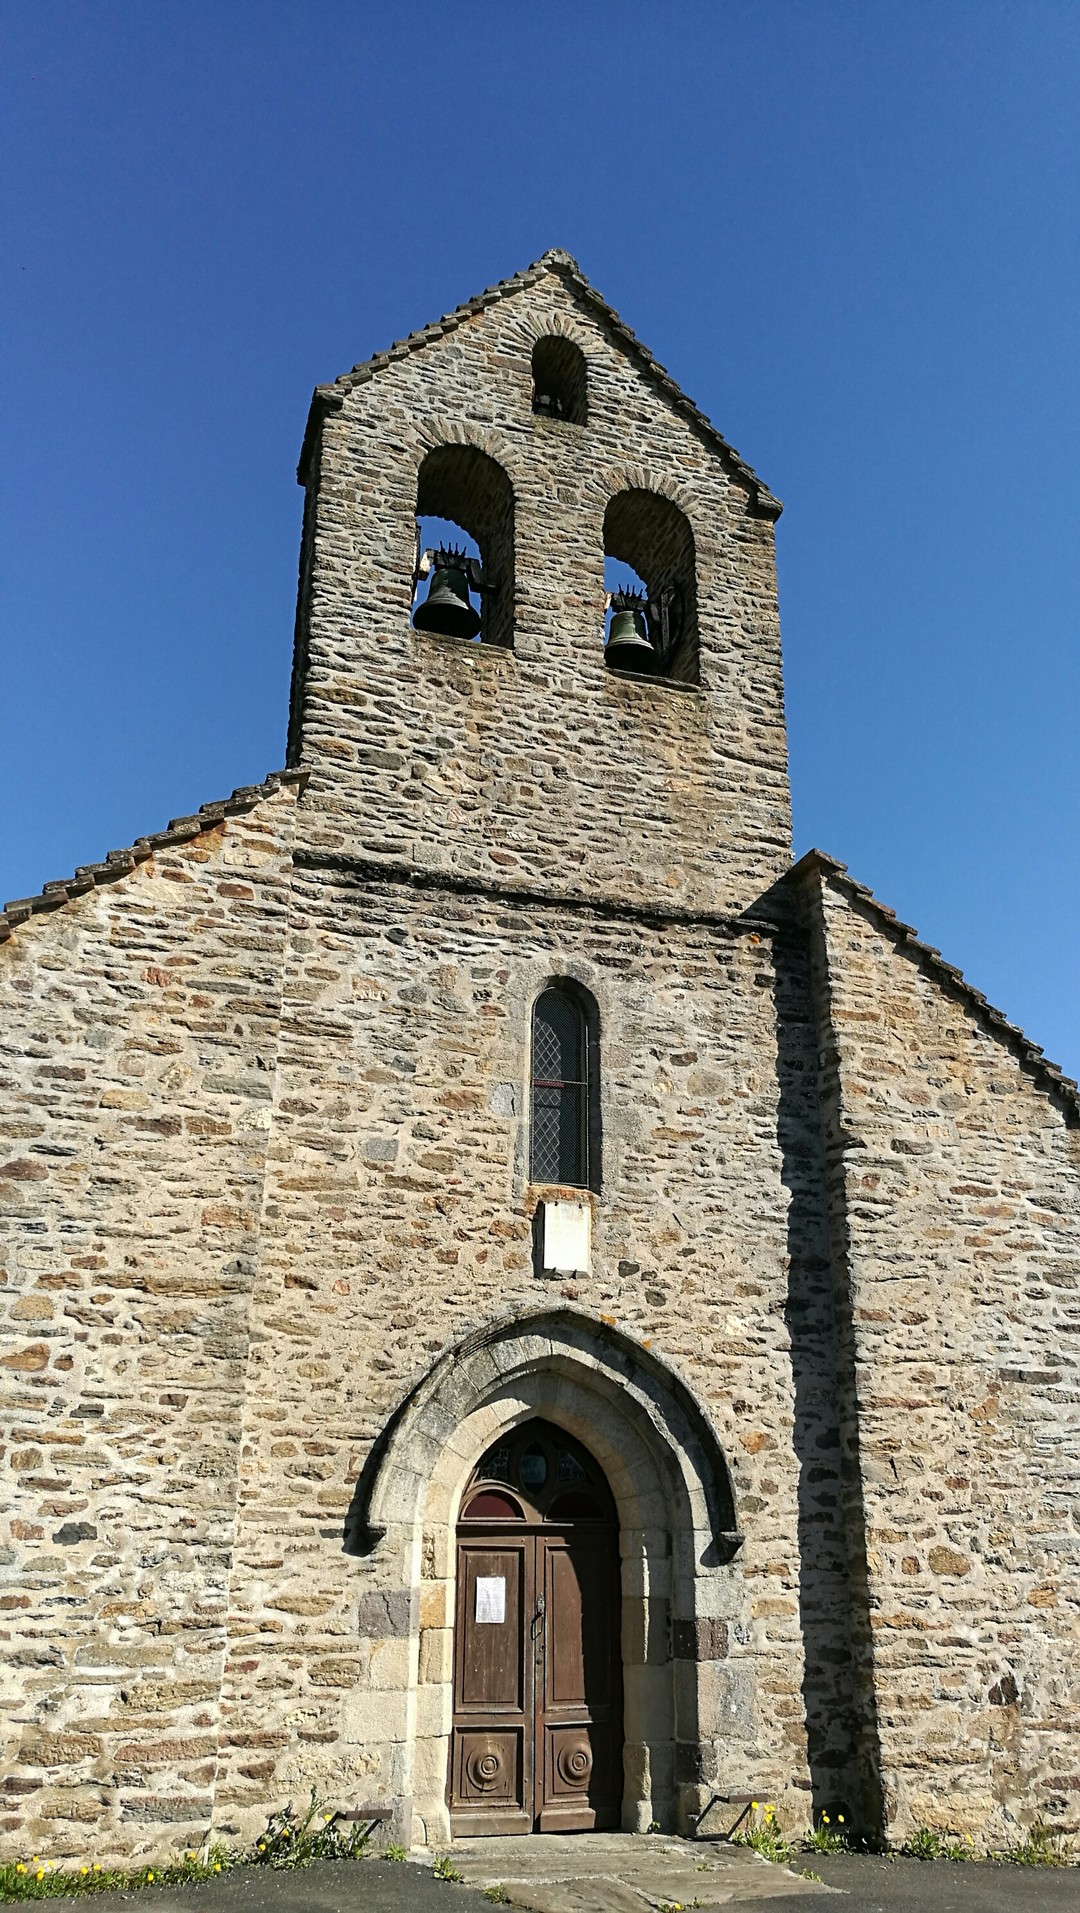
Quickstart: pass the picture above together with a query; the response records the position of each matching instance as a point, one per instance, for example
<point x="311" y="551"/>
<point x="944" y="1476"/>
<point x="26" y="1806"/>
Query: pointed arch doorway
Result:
<point x="537" y="1726"/>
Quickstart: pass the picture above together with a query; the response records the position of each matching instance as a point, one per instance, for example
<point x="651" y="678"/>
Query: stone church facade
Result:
<point x="301" y="1244"/>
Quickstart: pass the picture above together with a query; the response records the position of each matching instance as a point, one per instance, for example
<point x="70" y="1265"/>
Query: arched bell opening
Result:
<point x="559" y="380"/>
<point x="672" y="1494"/>
<point x="463" y="585"/>
<point x="650" y="588"/>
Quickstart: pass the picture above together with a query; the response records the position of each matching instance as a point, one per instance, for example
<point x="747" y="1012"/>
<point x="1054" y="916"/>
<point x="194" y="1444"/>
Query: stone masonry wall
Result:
<point x="139" y="1025"/>
<point x="398" y="1218"/>
<point x="960" y="1183"/>
<point x="264" y="1159"/>
<point x="537" y="765"/>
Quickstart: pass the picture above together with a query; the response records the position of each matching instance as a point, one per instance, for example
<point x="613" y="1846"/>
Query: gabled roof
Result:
<point x="120" y="863"/>
<point x="328" y="398"/>
<point x="1049" y="1077"/>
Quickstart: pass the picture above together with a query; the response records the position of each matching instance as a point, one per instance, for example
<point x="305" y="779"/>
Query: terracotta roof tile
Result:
<point x="120" y="863"/>
<point x="1047" y="1074"/>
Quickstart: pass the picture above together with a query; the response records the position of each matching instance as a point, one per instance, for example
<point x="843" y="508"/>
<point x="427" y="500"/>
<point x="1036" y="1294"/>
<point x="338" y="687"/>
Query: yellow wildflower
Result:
<point x="149" y="1877"/>
<point x="840" y="1817"/>
<point x="217" y="1866"/>
<point x="84" y="1870"/>
<point x="824" y="1819"/>
<point x="40" y="1874"/>
<point x="753" y="1806"/>
<point x="20" y="1868"/>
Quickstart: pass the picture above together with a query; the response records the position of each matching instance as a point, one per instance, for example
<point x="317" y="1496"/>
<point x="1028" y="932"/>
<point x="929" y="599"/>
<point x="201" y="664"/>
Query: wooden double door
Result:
<point x="537" y="1734"/>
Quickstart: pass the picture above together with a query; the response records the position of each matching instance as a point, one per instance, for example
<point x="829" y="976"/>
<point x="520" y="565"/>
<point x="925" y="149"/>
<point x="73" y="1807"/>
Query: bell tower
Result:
<point x="483" y="704"/>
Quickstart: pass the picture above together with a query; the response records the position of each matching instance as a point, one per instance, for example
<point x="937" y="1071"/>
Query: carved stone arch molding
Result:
<point x="672" y="1488"/>
<point x="444" y="429"/>
<point x="553" y="323"/>
<point x="393" y="1482"/>
<point x="642" y="478"/>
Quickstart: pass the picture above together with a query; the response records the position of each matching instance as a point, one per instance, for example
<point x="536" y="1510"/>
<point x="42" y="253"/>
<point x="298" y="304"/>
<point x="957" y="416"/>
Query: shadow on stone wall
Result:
<point x="841" y="1718"/>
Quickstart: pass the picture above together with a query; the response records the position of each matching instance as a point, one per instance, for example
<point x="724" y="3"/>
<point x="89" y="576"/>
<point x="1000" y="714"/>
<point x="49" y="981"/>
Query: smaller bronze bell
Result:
<point x="628" y="647"/>
<point x="446" y="609"/>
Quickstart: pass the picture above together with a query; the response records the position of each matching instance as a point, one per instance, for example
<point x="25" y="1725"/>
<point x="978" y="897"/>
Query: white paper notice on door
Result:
<point x="490" y="1597"/>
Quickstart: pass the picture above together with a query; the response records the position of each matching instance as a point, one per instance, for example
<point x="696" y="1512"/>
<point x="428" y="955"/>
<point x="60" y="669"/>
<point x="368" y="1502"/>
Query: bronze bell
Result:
<point x="446" y="609"/>
<point x="628" y="647"/>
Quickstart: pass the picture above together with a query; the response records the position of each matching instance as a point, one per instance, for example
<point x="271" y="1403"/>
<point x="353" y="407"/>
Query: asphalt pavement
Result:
<point x="872" y="1885"/>
<point x="859" y="1884"/>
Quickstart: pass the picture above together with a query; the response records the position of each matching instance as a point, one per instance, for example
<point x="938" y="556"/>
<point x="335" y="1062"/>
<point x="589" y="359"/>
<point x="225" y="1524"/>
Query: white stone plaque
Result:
<point x="566" y="1238"/>
<point x="490" y="1597"/>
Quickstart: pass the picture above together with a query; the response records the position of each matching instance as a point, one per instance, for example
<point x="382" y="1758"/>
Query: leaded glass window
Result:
<point x="560" y="1090"/>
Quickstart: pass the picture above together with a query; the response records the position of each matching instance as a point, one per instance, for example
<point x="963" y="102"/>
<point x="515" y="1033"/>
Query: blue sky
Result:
<point x="849" y="230"/>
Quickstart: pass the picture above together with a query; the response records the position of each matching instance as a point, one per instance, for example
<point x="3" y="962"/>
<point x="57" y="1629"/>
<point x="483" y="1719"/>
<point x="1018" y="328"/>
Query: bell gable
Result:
<point x="488" y="701"/>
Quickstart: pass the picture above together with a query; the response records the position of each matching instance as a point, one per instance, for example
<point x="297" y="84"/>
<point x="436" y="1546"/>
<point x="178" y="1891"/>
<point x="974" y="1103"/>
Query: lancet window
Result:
<point x="565" y="1128"/>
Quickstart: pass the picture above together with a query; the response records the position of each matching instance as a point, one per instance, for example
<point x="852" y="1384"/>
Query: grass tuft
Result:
<point x="1040" y="1847"/>
<point x="37" y="1879"/>
<point x="765" y="1835"/>
<point x="289" y="1840"/>
<point x="829" y="1836"/>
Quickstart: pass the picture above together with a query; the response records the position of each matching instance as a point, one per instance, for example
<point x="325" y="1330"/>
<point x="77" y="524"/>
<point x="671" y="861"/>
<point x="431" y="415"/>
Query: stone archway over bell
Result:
<point x="671" y="1484"/>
